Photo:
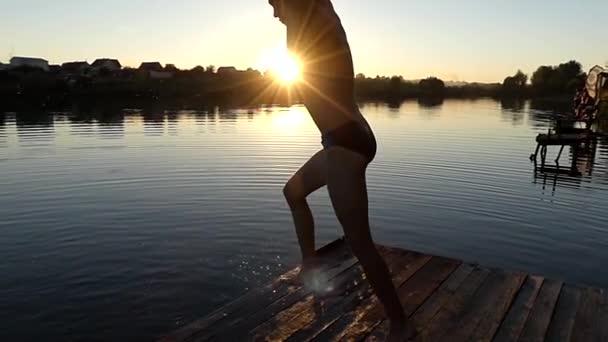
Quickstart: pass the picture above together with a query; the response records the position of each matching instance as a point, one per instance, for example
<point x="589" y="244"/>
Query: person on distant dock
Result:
<point x="316" y="36"/>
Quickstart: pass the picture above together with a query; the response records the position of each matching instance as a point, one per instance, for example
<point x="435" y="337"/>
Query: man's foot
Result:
<point x="314" y="277"/>
<point x="402" y="333"/>
<point x="309" y="266"/>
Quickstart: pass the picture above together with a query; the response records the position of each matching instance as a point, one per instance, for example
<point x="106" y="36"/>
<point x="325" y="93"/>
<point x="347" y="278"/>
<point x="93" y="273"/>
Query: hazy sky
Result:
<point x="473" y="40"/>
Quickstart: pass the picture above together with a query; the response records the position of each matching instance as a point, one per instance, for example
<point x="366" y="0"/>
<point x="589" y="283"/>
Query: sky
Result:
<point x="468" y="40"/>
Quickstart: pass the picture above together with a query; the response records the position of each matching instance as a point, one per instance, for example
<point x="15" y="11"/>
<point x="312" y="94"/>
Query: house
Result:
<point x="106" y="64"/>
<point x="155" y="70"/>
<point x="227" y="70"/>
<point x="151" y="66"/>
<point x="171" y="68"/>
<point x="76" y="68"/>
<point x="39" y="63"/>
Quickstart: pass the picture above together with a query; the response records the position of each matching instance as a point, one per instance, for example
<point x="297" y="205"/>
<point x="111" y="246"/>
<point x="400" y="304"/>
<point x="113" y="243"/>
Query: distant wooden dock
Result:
<point x="582" y="141"/>
<point x="447" y="299"/>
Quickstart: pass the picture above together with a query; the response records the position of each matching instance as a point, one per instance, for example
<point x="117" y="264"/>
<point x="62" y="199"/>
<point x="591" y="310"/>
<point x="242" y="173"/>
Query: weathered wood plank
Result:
<point x="430" y="307"/>
<point x="487" y="308"/>
<point x="311" y="309"/>
<point x="446" y="300"/>
<point x="250" y="316"/>
<point x="542" y="312"/>
<point x="281" y="316"/>
<point x="348" y="305"/>
<point x="412" y="294"/>
<point x="424" y="314"/>
<point x="362" y="312"/>
<point x="514" y="322"/>
<point x="601" y="334"/>
<point x="560" y="328"/>
<point x="352" y="300"/>
<point x="332" y="255"/>
<point x="590" y="321"/>
<point x="446" y="317"/>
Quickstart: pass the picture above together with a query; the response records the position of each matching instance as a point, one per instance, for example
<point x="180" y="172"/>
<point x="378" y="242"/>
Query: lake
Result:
<point x="126" y="224"/>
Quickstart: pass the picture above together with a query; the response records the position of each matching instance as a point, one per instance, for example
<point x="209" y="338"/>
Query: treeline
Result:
<point x="396" y="88"/>
<point x="561" y="81"/>
<point x="187" y="88"/>
<point x="547" y="81"/>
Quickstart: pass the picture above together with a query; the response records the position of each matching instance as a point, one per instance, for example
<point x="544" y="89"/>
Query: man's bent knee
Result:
<point x="292" y="193"/>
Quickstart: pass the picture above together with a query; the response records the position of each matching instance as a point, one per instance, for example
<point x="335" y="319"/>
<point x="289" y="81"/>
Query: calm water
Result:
<point x="125" y="225"/>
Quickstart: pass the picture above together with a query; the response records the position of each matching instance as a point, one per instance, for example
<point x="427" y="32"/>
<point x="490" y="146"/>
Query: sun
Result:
<point x="285" y="67"/>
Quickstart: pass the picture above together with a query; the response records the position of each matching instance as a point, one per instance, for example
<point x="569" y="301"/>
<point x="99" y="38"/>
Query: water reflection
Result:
<point x="172" y="122"/>
<point x="110" y="122"/>
<point x="2" y="129"/>
<point x="431" y="102"/>
<point x="513" y="104"/>
<point x="154" y="121"/>
<point x="394" y="105"/>
<point x="513" y="110"/>
<point x="549" y="183"/>
<point x="34" y="126"/>
<point x="79" y="114"/>
<point x="25" y="119"/>
<point x="543" y="112"/>
<point x="228" y="116"/>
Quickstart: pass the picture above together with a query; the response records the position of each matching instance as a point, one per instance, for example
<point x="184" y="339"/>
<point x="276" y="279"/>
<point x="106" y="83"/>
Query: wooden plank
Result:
<point x="431" y="306"/>
<point x="601" y="334"/>
<point x="560" y="328"/>
<point x="259" y="314"/>
<point x="542" y="312"/>
<point x="344" y="278"/>
<point x="590" y="321"/>
<point x="314" y="311"/>
<point x="562" y="139"/>
<point x="514" y="322"/>
<point x="333" y="255"/>
<point x="287" y="322"/>
<point x="424" y="314"/>
<point x="446" y="317"/>
<point x="281" y="315"/>
<point x="335" y="313"/>
<point x="337" y="328"/>
<point x="463" y="324"/>
<point x="412" y="294"/>
<point x="480" y="319"/>
<point x="352" y="300"/>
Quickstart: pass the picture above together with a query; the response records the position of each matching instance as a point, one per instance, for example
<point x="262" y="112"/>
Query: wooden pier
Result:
<point x="448" y="300"/>
<point x="582" y="141"/>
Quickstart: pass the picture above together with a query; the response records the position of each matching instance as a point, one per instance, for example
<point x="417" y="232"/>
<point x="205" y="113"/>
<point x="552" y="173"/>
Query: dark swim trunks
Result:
<point x="353" y="136"/>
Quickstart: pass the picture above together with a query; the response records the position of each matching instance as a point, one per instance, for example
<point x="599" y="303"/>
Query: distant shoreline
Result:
<point x="33" y="84"/>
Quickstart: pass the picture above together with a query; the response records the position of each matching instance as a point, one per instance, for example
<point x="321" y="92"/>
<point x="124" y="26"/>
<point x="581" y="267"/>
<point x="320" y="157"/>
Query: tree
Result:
<point x="210" y="69"/>
<point x="432" y="87"/>
<point x="558" y="80"/>
<point x="541" y="79"/>
<point x="394" y="86"/>
<point x="516" y="84"/>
